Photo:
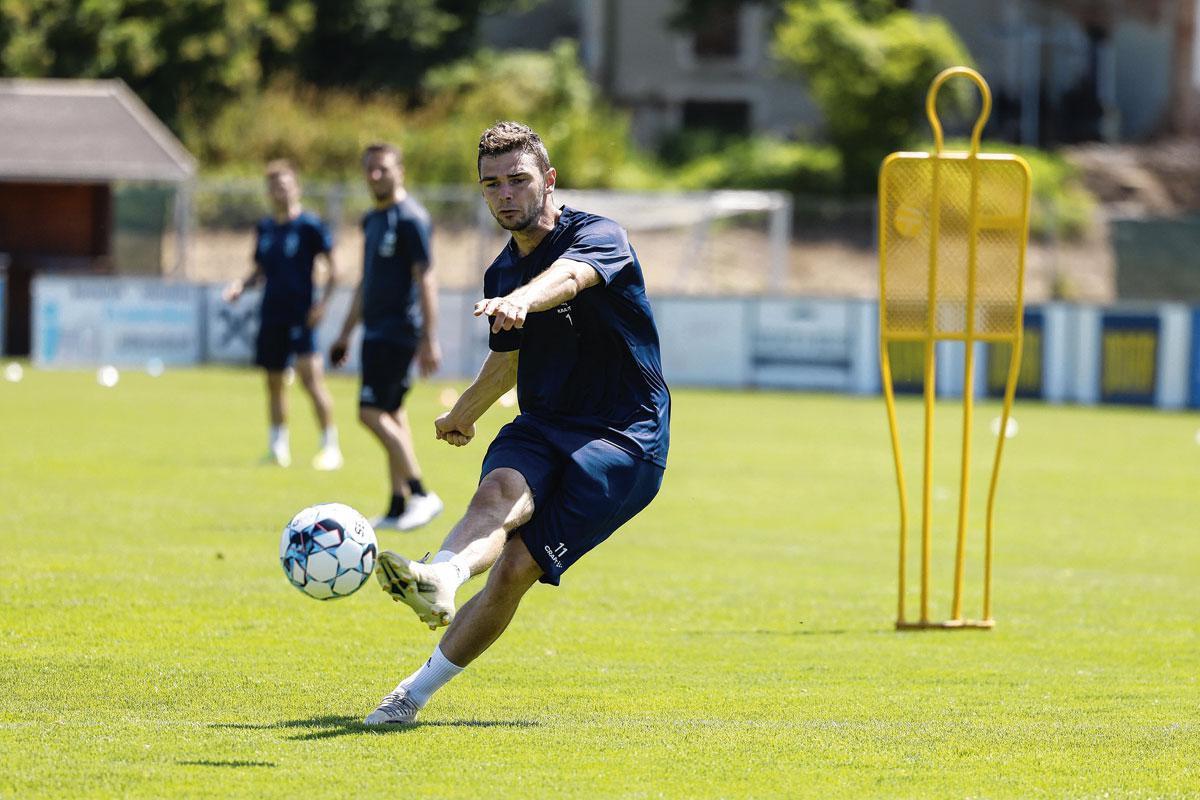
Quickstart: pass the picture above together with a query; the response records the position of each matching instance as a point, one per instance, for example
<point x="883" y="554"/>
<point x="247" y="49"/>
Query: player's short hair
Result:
<point x="279" y="166"/>
<point x="382" y="147"/>
<point x="505" y="137"/>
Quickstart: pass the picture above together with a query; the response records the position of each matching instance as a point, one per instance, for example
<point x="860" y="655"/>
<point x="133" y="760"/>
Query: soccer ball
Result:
<point x="328" y="551"/>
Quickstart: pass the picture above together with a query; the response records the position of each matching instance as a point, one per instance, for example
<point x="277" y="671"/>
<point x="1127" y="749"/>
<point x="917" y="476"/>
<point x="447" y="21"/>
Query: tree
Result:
<point x="389" y="44"/>
<point x="184" y="58"/>
<point x="868" y="67"/>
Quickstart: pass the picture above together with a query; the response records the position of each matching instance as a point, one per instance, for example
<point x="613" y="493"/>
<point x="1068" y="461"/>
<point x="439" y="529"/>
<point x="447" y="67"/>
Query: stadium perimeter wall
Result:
<point x="1143" y="354"/>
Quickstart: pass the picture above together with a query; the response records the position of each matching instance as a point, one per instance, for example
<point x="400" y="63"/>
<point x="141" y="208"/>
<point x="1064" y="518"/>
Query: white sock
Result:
<point x="432" y="675"/>
<point x="329" y="438"/>
<point x="450" y="557"/>
<point x="279" y="437"/>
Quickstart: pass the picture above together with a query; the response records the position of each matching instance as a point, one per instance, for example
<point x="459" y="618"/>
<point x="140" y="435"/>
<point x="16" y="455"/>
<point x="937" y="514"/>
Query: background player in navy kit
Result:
<point x="287" y="245"/>
<point x="587" y="451"/>
<point x="397" y="303"/>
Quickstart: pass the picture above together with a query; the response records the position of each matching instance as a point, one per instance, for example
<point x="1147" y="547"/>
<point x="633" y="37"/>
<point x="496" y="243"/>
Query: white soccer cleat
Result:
<point x="278" y="457"/>
<point x="428" y="589"/>
<point x="328" y="459"/>
<point x="395" y="709"/>
<point x="420" y="510"/>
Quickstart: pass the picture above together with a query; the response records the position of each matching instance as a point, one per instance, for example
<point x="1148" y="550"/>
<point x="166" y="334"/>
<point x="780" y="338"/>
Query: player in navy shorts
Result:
<point x="397" y="303"/>
<point x="570" y="327"/>
<point x="286" y="247"/>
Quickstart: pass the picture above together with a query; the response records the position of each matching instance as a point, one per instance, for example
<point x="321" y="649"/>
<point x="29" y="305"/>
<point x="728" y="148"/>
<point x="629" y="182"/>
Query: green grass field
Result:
<point x="734" y="641"/>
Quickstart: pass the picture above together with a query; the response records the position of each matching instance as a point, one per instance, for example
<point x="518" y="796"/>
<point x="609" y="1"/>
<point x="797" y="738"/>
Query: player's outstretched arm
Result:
<point x="562" y="281"/>
<point x="497" y="376"/>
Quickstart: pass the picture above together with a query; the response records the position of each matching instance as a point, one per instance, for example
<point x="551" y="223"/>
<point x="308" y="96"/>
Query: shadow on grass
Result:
<point x="329" y="726"/>
<point x="207" y="763"/>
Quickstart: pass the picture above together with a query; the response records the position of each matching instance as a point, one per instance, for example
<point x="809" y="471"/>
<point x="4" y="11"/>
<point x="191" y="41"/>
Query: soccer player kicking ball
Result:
<point x="397" y="303"/>
<point x="285" y="251"/>
<point x="588" y="450"/>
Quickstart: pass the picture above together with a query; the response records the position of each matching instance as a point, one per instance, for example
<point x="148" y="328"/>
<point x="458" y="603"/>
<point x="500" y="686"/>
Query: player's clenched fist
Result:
<point x="506" y="313"/>
<point x="452" y="432"/>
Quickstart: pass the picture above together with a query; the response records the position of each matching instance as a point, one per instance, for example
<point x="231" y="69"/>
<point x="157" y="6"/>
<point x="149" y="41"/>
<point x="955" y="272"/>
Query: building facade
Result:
<point x="1061" y="70"/>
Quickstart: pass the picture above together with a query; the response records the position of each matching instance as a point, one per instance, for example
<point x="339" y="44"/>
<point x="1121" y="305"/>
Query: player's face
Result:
<point x="283" y="189"/>
<point x="383" y="174"/>
<point x="515" y="188"/>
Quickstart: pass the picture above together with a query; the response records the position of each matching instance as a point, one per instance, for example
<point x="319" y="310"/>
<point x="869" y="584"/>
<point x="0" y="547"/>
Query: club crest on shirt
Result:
<point x="387" y="245"/>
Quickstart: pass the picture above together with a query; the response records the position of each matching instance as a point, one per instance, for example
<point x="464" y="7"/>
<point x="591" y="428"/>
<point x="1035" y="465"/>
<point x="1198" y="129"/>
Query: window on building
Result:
<point x="717" y="116"/>
<point x="718" y="33"/>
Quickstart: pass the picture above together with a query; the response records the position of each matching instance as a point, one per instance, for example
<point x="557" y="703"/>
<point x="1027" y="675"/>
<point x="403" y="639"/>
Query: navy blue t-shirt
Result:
<point x="395" y="239"/>
<point x="592" y="363"/>
<point x="285" y="251"/>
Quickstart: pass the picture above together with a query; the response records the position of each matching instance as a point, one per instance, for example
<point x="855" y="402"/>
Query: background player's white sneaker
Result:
<point x="395" y="709"/>
<point x="428" y="589"/>
<point x="420" y="510"/>
<point x="278" y="456"/>
<point x="329" y="458"/>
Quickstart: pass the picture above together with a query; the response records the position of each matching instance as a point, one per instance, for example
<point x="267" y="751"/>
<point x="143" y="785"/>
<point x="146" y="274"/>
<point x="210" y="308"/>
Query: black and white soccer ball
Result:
<point x="328" y="551"/>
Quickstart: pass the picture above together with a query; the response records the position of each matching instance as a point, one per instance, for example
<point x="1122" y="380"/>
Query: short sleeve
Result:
<point x="418" y="238"/>
<point x="320" y="238"/>
<point x="323" y="236"/>
<point x="602" y="244"/>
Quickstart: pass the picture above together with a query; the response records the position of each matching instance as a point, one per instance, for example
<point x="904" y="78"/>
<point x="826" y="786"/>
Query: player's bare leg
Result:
<point x="312" y="376"/>
<point x="393" y="432"/>
<point x="502" y="503"/>
<point x="485" y="616"/>
<point x="279" y="449"/>
<point x="478" y="624"/>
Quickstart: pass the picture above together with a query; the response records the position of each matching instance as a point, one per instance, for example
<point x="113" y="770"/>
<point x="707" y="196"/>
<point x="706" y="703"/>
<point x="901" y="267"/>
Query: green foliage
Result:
<point x="588" y="140"/>
<point x="371" y="45"/>
<point x="324" y="131"/>
<point x="185" y="59"/>
<point x="1061" y="207"/>
<point x="868" y="68"/>
<point x="764" y="162"/>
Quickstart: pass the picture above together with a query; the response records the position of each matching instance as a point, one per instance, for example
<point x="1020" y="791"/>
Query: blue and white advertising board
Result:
<point x="81" y="321"/>
<point x="828" y="345"/>
<point x="1194" y="371"/>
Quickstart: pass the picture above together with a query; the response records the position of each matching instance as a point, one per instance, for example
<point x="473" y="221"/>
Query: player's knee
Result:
<point x="500" y="491"/>
<point x="515" y="571"/>
<point x="369" y="417"/>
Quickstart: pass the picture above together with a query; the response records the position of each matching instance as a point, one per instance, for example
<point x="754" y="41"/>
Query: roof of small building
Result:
<point x="83" y="130"/>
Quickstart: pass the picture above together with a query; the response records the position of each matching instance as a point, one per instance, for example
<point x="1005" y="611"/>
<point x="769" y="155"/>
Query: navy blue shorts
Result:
<point x="584" y="488"/>
<point x="277" y="344"/>
<point x="385" y="368"/>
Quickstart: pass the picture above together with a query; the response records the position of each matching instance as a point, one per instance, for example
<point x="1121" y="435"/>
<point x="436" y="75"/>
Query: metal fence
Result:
<point x="701" y="243"/>
<point x="691" y="243"/>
